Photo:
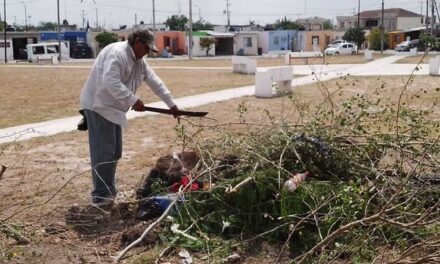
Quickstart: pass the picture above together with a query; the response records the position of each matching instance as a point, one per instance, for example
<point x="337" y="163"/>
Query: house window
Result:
<point x="276" y="40"/>
<point x="248" y="42"/>
<point x="2" y="44"/>
<point x="342" y="25"/>
<point x="371" y="23"/>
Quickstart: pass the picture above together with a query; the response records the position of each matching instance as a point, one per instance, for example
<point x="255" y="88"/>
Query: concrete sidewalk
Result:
<point x="316" y="73"/>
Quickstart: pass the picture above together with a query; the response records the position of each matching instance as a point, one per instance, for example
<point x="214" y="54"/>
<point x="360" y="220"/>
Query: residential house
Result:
<point x="151" y="27"/>
<point x="312" y="23"/>
<point x="313" y="40"/>
<point x="16" y="44"/>
<point x="277" y="40"/>
<point x="394" y="19"/>
<point x="246" y="43"/>
<point x="232" y="28"/>
<point x="173" y="41"/>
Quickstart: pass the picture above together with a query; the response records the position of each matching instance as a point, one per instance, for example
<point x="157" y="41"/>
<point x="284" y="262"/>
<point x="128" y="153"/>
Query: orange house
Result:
<point x="174" y="40"/>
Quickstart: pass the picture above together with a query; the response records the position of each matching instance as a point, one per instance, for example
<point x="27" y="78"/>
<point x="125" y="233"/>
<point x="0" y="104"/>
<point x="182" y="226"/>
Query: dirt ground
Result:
<point x="46" y="177"/>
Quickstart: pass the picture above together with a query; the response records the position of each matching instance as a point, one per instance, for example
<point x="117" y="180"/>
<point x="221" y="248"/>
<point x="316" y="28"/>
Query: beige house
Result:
<point x="312" y="23"/>
<point x="394" y="19"/>
<point x="313" y="40"/>
<point x="246" y="43"/>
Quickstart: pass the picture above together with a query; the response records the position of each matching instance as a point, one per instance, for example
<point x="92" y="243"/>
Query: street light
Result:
<point x="25" y="16"/>
<point x="200" y="16"/>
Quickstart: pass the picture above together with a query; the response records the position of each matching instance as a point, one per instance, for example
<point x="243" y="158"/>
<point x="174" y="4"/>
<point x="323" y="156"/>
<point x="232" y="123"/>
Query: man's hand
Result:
<point x="175" y="109"/>
<point x="138" y="106"/>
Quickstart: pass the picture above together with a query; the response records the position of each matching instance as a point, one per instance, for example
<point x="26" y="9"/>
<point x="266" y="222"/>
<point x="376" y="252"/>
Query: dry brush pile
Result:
<point x="373" y="194"/>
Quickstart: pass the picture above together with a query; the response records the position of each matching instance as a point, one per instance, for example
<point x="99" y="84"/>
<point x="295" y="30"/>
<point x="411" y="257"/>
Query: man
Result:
<point x="108" y="94"/>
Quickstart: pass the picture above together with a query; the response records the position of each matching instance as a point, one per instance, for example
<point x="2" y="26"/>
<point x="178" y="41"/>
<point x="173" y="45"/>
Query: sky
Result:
<point x="114" y="13"/>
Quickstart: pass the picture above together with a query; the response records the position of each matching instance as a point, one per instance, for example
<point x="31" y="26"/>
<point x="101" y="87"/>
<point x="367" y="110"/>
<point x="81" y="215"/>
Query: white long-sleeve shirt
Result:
<point x="115" y="76"/>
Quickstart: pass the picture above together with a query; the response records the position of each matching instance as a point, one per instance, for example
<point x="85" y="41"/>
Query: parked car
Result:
<point x="417" y="43"/>
<point x="341" y="48"/>
<point x="403" y="46"/>
<point x="80" y="50"/>
<point x="338" y="41"/>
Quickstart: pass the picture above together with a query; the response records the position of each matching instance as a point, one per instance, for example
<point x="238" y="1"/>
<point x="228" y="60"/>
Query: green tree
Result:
<point x="206" y="43"/>
<point x="201" y="25"/>
<point x="42" y="26"/>
<point x="327" y="25"/>
<point x="429" y="41"/>
<point x="106" y="38"/>
<point x="374" y="40"/>
<point x="1" y="25"/>
<point x="176" y="22"/>
<point x="355" y="35"/>
<point x="285" y="24"/>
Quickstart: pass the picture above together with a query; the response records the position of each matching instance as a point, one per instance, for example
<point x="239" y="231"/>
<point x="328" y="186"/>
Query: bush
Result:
<point x="372" y="165"/>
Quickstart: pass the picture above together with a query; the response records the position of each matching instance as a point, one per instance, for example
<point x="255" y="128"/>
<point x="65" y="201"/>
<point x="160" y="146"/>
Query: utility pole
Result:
<point x="97" y="21"/>
<point x="25" y="16"/>
<point x="190" y="33"/>
<point x="382" y="28"/>
<point x="154" y="22"/>
<point x="135" y="20"/>
<point x="426" y="17"/>
<point x="228" y="14"/>
<point x="4" y="30"/>
<point x="432" y="17"/>
<point x="59" y="32"/>
<point x="83" y="19"/>
<point x="305" y="8"/>
<point x="359" y="13"/>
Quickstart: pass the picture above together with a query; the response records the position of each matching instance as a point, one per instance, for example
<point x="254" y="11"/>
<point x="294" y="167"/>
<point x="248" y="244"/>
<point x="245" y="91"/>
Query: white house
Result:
<point x="9" y="54"/>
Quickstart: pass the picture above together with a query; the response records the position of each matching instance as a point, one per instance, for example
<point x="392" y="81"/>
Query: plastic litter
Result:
<point x="292" y="184"/>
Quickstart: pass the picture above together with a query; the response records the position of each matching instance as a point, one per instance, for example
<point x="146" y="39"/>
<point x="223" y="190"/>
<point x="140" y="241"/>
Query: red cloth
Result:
<point x="184" y="182"/>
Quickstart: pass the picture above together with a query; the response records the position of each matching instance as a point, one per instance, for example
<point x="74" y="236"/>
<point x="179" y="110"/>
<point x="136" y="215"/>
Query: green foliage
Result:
<point x="355" y="35"/>
<point x="47" y="26"/>
<point x="374" y="40"/>
<point x="364" y="153"/>
<point x="201" y="25"/>
<point x="106" y="38"/>
<point x="328" y="25"/>
<point x="176" y="22"/>
<point x="206" y="44"/>
<point x="285" y="24"/>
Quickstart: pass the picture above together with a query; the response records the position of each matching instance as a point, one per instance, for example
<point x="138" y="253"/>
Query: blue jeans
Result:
<point x="105" y="143"/>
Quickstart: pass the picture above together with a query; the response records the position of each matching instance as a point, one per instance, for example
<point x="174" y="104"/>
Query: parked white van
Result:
<point x="47" y="51"/>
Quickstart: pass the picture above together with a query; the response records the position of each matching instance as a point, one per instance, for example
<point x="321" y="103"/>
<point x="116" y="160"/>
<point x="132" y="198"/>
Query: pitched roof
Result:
<point x="400" y="12"/>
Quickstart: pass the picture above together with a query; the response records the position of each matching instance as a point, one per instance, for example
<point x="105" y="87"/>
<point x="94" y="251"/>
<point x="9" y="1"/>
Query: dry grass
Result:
<point x="39" y="94"/>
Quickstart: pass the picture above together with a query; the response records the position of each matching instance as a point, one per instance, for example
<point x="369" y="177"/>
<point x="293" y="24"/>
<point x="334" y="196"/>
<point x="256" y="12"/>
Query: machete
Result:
<point x="82" y="124"/>
<point x="178" y="112"/>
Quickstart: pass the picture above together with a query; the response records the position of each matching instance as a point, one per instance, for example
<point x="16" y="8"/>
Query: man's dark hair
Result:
<point x="144" y="36"/>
